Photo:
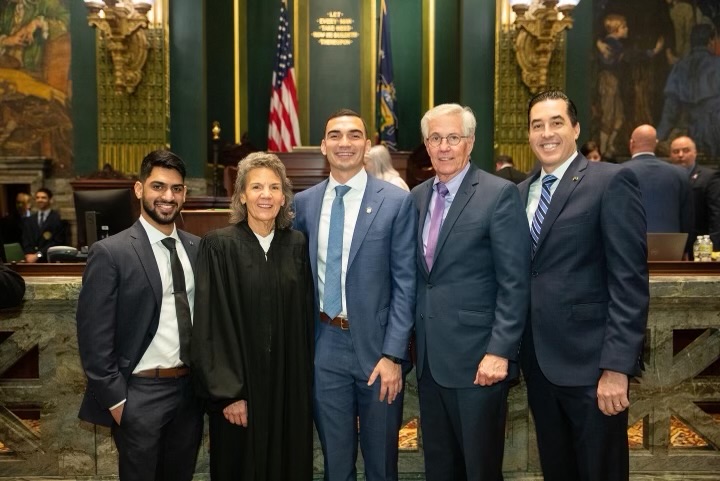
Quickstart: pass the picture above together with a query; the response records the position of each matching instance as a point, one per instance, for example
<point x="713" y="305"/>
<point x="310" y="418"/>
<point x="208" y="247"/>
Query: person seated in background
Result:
<point x="505" y="168"/>
<point x="591" y="151"/>
<point x="378" y="163"/>
<point x="42" y="229"/>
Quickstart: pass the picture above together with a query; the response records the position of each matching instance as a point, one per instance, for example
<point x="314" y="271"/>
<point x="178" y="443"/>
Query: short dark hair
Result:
<point x="504" y="159"/>
<point x="701" y="34"/>
<point x="345" y="113"/>
<point x="589" y="146"/>
<point x="46" y="191"/>
<point x="161" y="158"/>
<point x="554" y="94"/>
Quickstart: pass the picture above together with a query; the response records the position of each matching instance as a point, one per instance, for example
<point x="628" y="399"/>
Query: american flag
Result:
<point x="284" y="128"/>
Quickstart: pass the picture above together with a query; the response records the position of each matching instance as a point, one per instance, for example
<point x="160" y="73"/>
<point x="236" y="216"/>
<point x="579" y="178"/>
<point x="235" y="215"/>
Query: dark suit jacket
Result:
<point x="38" y="239"/>
<point x="712" y="200"/>
<point x="12" y="287"/>
<point x="589" y="281"/>
<point x="666" y="194"/>
<point x="118" y="315"/>
<point x="475" y="299"/>
<point x="511" y="174"/>
<point x="380" y="277"/>
<point x="699" y="180"/>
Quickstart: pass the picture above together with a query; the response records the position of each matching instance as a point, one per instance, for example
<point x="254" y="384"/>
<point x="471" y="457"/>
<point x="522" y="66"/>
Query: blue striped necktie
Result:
<point x="332" y="296"/>
<point x="542" y="209"/>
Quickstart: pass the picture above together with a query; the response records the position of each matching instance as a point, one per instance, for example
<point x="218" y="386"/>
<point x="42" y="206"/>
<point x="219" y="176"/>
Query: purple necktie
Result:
<point x="436" y="218"/>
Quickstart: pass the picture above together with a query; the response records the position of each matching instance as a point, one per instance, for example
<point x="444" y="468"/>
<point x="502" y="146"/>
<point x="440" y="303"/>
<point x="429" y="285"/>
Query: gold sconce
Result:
<point x="535" y="34"/>
<point x="122" y="24"/>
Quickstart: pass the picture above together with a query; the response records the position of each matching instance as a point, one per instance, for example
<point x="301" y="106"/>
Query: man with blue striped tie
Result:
<point x="588" y="299"/>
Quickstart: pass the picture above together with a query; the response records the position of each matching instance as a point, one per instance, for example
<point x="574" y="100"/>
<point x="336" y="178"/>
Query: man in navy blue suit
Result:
<point x="472" y="301"/>
<point x="665" y="189"/>
<point x="364" y="272"/>
<point x="588" y="299"/>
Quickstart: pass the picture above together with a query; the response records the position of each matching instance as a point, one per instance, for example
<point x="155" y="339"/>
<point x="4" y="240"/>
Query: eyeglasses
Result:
<point x="453" y="139"/>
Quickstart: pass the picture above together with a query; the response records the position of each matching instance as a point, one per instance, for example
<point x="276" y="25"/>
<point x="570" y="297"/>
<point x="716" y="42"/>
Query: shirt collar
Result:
<point x="560" y="171"/>
<point x="643" y="153"/>
<point x="154" y="235"/>
<point x="453" y="185"/>
<point x="357" y="182"/>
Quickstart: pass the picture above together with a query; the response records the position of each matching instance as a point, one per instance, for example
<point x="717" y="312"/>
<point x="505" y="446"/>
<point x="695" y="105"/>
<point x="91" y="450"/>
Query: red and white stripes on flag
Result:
<point x="284" y="128"/>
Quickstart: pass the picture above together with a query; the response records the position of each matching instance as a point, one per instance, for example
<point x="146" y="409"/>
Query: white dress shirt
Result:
<point x="164" y="349"/>
<point x="453" y="185"/>
<point x="352" y="201"/>
<point x="536" y="187"/>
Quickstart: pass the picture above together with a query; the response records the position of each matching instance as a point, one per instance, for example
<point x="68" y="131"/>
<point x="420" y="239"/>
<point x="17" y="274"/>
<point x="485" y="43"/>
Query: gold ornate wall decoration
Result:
<point x="130" y="126"/>
<point x="536" y="34"/>
<point x="511" y="93"/>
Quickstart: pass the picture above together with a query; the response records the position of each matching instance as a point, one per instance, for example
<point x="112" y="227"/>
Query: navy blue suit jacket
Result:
<point x="380" y="278"/>
<point x="589" y="288"/>
<point x="666" y="194"/>
<point x="118" y="315"/>
<point x="475" y="299"/>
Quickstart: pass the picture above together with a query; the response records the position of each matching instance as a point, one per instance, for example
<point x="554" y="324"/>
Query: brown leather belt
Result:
<point x="340" y="322"/>
<point x="180" y="371"/>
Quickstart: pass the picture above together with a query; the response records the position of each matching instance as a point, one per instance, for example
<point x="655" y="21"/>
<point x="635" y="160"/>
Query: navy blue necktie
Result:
<point x="332" y="297"/>
<point x="541" y="210"/>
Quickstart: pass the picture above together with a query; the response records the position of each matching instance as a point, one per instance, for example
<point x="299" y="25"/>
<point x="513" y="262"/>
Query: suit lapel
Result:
<point x="571" y="179"/>
<point x="463" y="196"/>
<point x="425" y="196"/>
<point x="143" y="249"/>
<point x="371" y="201"/>
<point x="312" y="212"/>
<point x="190" y="247"/>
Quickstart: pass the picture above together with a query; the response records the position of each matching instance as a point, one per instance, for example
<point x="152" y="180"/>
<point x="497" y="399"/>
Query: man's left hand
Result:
<point x="492" y="369"/>
<point x="612" y="392"/>
<point x="390" y="379"/>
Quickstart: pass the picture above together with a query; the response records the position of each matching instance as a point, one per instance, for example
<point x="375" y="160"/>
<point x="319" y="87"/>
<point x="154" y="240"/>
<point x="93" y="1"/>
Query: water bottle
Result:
<point x="696" y="249"/>
<point x="104" y="232"/>
<point x="706" y="249"/>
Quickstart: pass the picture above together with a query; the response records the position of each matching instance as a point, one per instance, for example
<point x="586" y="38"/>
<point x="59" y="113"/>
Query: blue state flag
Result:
<point x="386" y="101"/>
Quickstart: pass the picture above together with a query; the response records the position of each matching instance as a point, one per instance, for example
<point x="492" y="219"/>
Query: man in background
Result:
<point x="43" y="229"/>
<point x="666" y="194"/>
<point x="505" y="168"/>
<point x="683" y="153"/>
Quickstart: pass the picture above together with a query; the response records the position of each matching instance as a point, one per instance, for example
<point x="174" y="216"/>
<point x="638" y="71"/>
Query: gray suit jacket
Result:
<point x="475" y="299"/>
<point x="380" y="278"/>
<point x="118" y="315"/>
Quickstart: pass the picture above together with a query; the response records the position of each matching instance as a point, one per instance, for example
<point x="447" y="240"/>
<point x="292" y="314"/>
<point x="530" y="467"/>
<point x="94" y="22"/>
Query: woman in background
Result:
<point x="253" y="332"/>
<point x="591" y="151"/>
<point x="378" y="163"/>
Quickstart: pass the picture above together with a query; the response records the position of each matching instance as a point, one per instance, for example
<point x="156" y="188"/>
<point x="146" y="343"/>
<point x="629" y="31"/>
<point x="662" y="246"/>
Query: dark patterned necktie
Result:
<point x="182" y="306"/>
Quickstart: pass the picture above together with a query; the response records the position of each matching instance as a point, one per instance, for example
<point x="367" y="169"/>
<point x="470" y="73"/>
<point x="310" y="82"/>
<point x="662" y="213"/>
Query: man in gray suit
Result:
<point x="472" y="298"/>
<point x="665" y="189"/>
<point x="133" y="323"/>
<point x="364" y="271"/>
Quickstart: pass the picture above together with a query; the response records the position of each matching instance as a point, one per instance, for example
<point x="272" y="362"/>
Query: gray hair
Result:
<point x="378" y="157"/>
<point x="468" y="118"/>
<point x="258" y="160"/>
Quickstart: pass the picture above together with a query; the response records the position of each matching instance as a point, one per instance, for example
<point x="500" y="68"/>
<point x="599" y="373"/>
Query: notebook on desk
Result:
<point x="664" y="246"/>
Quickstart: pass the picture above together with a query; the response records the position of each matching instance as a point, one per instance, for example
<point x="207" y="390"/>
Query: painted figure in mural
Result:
<point x="684" y="17"/>
<point x="25" y="25"/>
<point x="692" y="93"/>
<point x="612" y="56"/>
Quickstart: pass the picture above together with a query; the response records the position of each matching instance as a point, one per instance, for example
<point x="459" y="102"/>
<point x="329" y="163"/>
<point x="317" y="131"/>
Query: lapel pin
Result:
<point x="576" y="178"/>
<point x="368" y="210"/>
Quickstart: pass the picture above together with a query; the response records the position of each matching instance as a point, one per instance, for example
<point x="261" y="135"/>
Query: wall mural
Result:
<point x="35" y="87"/>
<point x="652" y="64"/>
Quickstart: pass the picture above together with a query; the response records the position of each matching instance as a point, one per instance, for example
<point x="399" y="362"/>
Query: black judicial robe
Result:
<point x="252" y="339"/>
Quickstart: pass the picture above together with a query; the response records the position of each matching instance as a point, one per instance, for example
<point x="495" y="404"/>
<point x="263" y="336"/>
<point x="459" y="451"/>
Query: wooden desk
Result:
<point x="200" y="222"/>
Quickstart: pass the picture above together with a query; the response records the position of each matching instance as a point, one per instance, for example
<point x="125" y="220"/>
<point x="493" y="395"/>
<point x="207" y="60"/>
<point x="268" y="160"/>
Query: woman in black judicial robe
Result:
<point x="253" y="332"/>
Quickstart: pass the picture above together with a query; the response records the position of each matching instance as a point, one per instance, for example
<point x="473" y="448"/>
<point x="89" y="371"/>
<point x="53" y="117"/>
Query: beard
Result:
<point x="160" y="218"/>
